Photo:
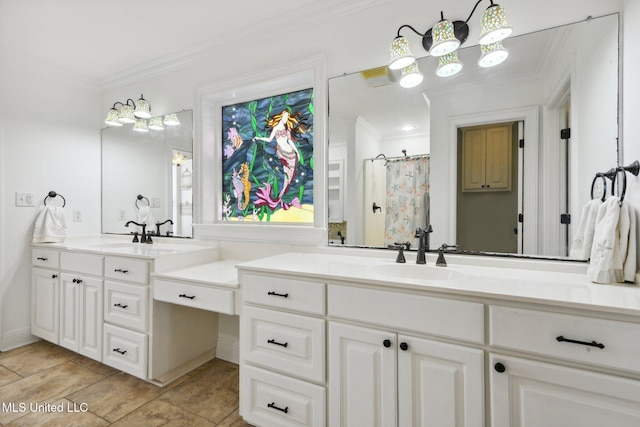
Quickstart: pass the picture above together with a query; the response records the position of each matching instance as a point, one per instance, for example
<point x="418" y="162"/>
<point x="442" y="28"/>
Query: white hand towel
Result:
<point x="51" y="225"/>
<point x="628" y="242"/>
<point x="605" y="265"/>
<point x="145" y="217"/>
<point x="583" y="240"/>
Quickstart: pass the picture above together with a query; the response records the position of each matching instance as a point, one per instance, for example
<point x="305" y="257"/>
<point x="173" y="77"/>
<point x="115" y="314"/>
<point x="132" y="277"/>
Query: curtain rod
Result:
<point x="415" y="156"/>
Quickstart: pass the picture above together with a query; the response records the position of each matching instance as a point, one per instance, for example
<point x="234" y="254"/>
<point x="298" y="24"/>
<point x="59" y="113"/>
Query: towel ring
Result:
<point x="624" y="183"/>
<point x="140" y="197"/>
<point x="604" y="185"/>
<point x="53" y="194"/>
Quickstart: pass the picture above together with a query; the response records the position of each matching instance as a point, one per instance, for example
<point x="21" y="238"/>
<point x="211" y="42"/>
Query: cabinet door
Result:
<point x="498" y="151"/>
<point x="69" y="315"/>
<point x="90" y="318"/>
<point x="362" y="376"/>
<point x="45" y="294"/>
<point x="533" y="394"/>
<point x="439" y="384"/>
<point x="474" y="159"/>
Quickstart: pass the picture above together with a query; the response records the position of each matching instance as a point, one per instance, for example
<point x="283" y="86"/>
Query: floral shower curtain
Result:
<point x="407" y="195"/>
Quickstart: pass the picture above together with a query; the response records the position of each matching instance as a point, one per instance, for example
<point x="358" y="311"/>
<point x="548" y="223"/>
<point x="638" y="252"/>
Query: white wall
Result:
<point x="50" y="140"/>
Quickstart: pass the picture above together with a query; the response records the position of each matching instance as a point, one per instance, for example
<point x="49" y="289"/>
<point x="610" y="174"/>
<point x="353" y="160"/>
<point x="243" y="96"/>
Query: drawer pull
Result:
<point x="42" y="259"/>
<point x="275" y="294"/>
<point x="590" y="344"/>
<point x="77" y="281"/>
<point x="119" y="270"/>
<point x="117" y="350"/>
<point x="274" y="342"/>
<point x="54" y="276"/>
<point x="120" y="305"/>
<point x="386" y="343"/>
<point x="187" y="296"/>
<point x="273" y="405"/>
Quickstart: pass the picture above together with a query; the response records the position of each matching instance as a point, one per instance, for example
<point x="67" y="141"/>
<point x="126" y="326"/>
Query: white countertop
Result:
<point x="565" y="289"/>
<point x="215" y="273"/>
<point x="122" y="245"/>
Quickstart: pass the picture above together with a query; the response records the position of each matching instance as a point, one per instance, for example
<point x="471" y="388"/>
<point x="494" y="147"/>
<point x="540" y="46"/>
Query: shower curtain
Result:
<point x="407" y="199"/>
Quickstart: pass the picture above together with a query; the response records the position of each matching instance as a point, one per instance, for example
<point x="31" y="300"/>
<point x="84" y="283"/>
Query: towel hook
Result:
<point x="53" y="194"/>
<point x="140" y="197"/>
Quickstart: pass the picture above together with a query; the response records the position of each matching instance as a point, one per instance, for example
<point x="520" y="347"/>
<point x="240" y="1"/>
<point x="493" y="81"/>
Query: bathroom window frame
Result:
<point x="208" y="222"/>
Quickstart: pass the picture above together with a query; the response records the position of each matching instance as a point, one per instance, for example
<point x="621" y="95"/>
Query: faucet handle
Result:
<point x="135" y="237"/>
<point x="400" y="259"/>
<point x="441" y="262"/>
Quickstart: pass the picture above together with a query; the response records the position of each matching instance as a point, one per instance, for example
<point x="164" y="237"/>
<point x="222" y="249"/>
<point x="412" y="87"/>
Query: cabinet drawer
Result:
<point x="125" y="350"/>
<point x="45" y="258"/>
<point x="275" y="400"/>
<point x="126" y="269"/>
<point x="202" y="297"/>
<point x="297" y="295"/>
<point x="284" y="342"/>
<point x="81" y="263"/>
<point x="584" y="339"/>
<point x="126" y="305"/>
<point x="435" y="316"/>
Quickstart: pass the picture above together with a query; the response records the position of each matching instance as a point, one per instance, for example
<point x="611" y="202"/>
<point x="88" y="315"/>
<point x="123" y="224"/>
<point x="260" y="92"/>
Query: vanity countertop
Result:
<point x="215" y="273"/>
<point x="122" y="245"/>
<point x="531" y="285"/>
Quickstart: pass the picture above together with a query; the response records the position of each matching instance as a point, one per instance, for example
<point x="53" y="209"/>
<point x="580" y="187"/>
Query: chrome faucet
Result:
<point x="158" y="224"/>
<point x="423" y="243"/>
<point x="143" y="238"/>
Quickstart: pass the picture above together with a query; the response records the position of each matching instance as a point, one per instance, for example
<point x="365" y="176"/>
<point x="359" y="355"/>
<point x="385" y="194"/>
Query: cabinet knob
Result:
<point x="54" y="276"/>
<point x="499" y="367"/>
<point x="404" y="346"/>
<point x="386" y="343"/>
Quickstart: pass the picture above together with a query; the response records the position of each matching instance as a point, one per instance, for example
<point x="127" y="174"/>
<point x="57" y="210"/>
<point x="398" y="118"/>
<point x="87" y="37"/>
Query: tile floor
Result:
<point x="92" y="394"/>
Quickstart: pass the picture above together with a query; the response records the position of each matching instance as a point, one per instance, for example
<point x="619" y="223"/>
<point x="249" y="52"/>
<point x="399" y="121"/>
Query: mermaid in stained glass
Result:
<point x="287" y="128"/>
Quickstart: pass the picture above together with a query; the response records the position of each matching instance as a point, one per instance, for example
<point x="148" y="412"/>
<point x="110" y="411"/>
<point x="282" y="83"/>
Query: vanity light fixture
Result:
<point x="447" y="36"/>
<point x="492" y="55"/>
<point x="129" y="112"/>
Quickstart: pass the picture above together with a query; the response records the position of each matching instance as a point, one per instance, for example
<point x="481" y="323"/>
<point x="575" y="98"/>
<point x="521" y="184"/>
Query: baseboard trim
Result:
<point x="16" y="339"/>
<point x="228" y="348"/>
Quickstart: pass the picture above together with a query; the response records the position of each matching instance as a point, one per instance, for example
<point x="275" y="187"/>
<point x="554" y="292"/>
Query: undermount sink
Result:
<point x="155" y="248"/>
<point x="112" y="245"/>
<point x="417" y="272"/>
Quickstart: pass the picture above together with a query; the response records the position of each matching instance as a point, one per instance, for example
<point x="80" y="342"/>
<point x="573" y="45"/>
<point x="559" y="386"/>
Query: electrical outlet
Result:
<point x="155" y="202"/>
<point x="77" y="216"/>
<point x="24" y="199"/>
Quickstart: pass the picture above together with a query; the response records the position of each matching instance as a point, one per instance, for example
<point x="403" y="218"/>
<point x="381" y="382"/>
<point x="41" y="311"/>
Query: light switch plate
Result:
<point x="24" y="199"/>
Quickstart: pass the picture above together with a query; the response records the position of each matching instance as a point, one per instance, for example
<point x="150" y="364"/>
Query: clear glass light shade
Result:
<point x="444" y="39"/>
<point x="171" y="120"/>
<point x="411" y="76"/>
<point x="126" y="114"/>
<point x="494" y="25"/>
<point x="141" y="126"/>
<point x="401" y="55"/>
<point x="492" y="55"/>
<point x="448" y="65"/>
<point x="156" y="123"/>
<point x="143" y="109"/>
<point x="112" y="118"/>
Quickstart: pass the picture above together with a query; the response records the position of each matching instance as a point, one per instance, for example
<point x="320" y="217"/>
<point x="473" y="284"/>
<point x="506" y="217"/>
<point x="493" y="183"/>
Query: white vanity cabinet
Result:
<point x="526" y="393"/>
<point x="282" y="351"/>
<point x="45" y="294"/>
<point x="387" y="377"/>
<point x="81" y="303"/>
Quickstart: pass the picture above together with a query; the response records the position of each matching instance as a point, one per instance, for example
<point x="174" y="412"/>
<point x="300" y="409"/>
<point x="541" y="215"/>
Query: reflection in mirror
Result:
<point x="156" y="165"/>
<point x="561" y="78"/>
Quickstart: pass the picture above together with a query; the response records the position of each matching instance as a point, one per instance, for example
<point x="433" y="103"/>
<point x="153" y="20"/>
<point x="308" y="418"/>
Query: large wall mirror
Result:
<point x="146" y="176"/>
<point x="402" y="158"/>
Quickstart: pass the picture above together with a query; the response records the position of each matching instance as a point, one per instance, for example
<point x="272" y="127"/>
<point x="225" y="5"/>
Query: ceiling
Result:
<point x="93" y="40"/>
